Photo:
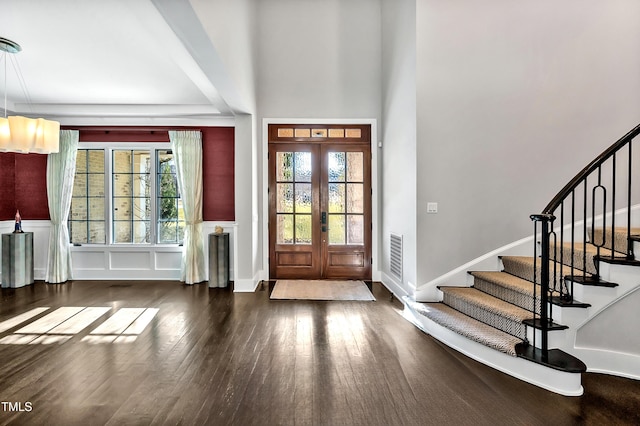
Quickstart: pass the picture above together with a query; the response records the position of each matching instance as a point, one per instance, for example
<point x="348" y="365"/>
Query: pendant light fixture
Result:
<point x="23" y="134"/>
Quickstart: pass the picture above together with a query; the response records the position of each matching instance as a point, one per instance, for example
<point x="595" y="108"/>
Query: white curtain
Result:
<point x="187" y="155"/>
<point x="61" y="168"/>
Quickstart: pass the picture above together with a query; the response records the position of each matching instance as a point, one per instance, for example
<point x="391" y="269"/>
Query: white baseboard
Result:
<point x="246" y="285"/>
<point x="394" y="287"/>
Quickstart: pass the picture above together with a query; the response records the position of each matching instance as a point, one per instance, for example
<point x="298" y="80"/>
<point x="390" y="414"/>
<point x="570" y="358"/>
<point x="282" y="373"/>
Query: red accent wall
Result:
<point x="7" y="185"/>
<point x="23" y="177"/>
<point x="218" y="176"/>
<point x="24" y="186"/>
<point x="31" y="186"/>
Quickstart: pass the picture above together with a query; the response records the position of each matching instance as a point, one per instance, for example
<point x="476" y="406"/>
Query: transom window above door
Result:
<point x="316" y="133"/>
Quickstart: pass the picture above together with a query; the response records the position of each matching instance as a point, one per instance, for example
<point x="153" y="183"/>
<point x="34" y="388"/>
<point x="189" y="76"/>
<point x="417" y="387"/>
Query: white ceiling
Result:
<point x="112" y="60"/>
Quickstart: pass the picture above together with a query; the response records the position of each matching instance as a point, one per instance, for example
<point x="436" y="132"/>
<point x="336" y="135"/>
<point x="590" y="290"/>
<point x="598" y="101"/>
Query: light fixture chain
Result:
<point x="4" y="58"/>
<point x="23" y="84"/>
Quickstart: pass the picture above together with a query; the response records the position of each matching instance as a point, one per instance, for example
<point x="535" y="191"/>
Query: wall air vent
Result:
<point x="395" y="256"/>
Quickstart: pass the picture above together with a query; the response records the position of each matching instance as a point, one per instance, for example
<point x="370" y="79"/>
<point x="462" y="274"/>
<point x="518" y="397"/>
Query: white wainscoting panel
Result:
<point x="167" y="260"/>
<point x="120" y="262"/>
<point x="125" y="262"/>
<point x="89" y="259"/>
<point x="131" y="260"/>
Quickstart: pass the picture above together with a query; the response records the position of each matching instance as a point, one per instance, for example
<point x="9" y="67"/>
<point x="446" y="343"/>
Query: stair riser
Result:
<point x="508" y="295"/>
<point x="578" y="257"/>
<point x="569" y="316"/>
<point x="557" y="338"/>
<point x="501" y="323"/>
<point x="619" y="238"/>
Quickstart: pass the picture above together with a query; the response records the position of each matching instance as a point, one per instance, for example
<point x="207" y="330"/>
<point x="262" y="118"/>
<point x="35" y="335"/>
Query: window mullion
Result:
<point x="108" y="177"/>
<point x="153" y="196"/>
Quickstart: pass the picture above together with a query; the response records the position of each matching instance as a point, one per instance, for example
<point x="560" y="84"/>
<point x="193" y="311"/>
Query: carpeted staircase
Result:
<point x="585" y="314"/>
<point x="497" y="309"/>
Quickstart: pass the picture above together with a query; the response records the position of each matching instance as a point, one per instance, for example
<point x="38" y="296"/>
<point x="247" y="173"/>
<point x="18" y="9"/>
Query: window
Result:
<point x="87" y="216"/>
<point x="131" y="196"/>
<point x="140" y="189"/>
<point x="170" y="212"/>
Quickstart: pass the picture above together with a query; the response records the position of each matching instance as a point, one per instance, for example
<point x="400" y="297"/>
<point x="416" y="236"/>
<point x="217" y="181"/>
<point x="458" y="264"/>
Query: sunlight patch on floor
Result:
<point x="66" y="322"/>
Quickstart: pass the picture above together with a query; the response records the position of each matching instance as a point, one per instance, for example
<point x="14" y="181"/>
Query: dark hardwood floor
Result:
<point x="212" y="357"/>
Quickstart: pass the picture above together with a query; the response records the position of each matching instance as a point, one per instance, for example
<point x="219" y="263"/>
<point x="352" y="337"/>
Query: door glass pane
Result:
<point x="284" y="198"/>
<point x="284" y="167"/>
<point x="355" y="198"/>
<point x="355" y="229"/>
<point x="336" y="166"/>
<point x="337" y="199"/>
<point x="336" y="229"/>
<point x="303" y="166"/>
<point x="303" y="229"/>
<point x="303" y="198"/>
<point x="294" y="194"/>
<point x="355" y="167"/>
<point x="285" y="229"/>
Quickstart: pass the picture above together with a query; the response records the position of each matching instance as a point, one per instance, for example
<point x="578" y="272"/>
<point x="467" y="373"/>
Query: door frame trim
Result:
<point x="264" y="185"/>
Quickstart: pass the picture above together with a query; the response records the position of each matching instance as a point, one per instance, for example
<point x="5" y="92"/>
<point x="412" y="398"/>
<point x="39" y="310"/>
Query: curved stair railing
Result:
<point x="594" y="203"/>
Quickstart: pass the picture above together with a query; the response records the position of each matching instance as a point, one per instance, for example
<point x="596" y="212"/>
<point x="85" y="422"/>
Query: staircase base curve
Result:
<point x="557" y="381"/>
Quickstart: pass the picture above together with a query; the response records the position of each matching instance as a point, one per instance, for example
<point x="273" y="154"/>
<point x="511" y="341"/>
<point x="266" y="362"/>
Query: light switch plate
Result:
<point x="432" y="207"/>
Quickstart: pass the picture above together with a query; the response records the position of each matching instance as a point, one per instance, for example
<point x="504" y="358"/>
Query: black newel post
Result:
<point x="545" y="220"/>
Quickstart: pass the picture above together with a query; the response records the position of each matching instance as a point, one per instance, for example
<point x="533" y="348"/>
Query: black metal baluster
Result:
<point x="630" y="254"/>
<point x="613" y="207"/>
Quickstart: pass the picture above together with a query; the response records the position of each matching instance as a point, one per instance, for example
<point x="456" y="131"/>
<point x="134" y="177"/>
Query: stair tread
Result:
<point x="468" y="327"/>
<point x="489" y="303"/>
<point x="508" y="280"/>
<point x="592" y="251"/>
<point x="528" y="262"/>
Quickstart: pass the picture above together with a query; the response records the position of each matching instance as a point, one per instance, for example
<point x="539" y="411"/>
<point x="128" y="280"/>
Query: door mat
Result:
<point x="321" y="290"/>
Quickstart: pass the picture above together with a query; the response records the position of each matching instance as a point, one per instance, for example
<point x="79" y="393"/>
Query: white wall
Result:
<point x="231" y="26"/>
<point x="319" y="59"/>
<point x="398" y="169"/>
<point x="513" y="99"/>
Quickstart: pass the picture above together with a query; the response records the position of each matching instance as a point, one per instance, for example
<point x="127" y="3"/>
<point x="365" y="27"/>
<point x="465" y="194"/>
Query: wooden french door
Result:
<point x="319" y="202"/>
